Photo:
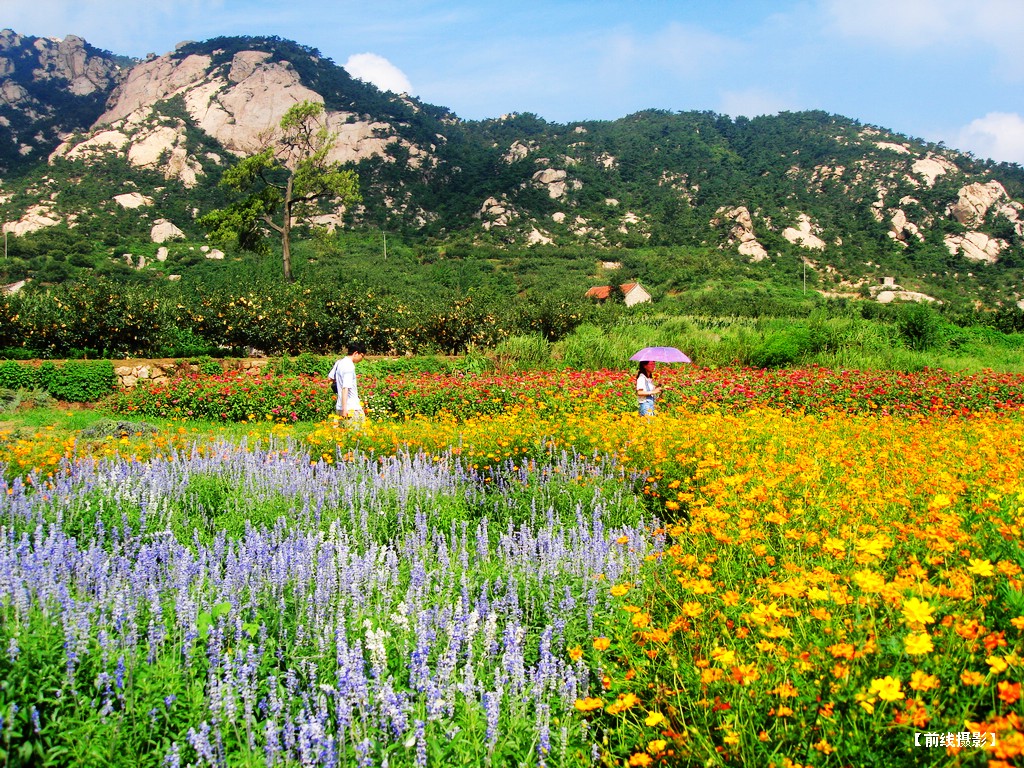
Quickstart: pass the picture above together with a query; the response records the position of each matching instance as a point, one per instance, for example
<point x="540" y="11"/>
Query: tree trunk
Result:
<point x="286" y="232"/>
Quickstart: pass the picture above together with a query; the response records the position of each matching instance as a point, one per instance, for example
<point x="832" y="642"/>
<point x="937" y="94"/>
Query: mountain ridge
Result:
<point x="852" y="202"/>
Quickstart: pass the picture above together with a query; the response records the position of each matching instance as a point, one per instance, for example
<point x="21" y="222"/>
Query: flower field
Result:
<point x="241" y="397"/>
<point x="793" y="568"/>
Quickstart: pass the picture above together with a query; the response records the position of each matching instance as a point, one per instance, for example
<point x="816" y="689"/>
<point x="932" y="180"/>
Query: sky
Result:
<point x="939" y="70"/>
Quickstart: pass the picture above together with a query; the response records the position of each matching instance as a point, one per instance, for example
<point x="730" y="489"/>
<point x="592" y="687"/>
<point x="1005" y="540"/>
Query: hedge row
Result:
<point x="103" y="319"/>
<point x="75" y="381"/>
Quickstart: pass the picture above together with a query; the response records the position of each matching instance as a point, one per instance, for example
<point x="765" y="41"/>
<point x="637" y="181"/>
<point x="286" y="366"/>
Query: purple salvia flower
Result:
<point x="421" y="743"/>
<point x="492" y="708"/>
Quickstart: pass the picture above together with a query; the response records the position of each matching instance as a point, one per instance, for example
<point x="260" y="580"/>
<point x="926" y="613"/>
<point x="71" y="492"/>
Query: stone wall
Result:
<point x="130" y="372"/>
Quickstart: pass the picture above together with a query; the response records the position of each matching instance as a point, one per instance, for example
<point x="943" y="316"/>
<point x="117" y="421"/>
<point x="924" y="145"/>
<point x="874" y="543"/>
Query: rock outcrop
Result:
<point x="803" y="234"/>
<point x="240" y="106"/>
<point x="931" y="167"/>
<point x="35" y="218"/>
<point x="163" y="230"/>
<point x="496" y="213"/>
<point x="554" y="180"/>
<point x="975" y="200"/>
<point x="742" y="232"/>
<point x="976" y="246"/>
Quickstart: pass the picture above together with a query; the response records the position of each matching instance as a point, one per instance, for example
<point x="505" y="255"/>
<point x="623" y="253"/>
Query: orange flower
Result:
<point x="712" y="675"/>
<point x="921" y="681"/>
<point x="601" y="643"/>
<point x="641" y="759"/>
<point x="693" y="609"/>
<point x="1009" y="692"/>
<point x="576" y="653"/>
<point x="641" y="620"/>
<point x="624" y="702"/>
<point x="970" y="677"/>
<point x="842" y="650"/>
<point x="589" y="703"/>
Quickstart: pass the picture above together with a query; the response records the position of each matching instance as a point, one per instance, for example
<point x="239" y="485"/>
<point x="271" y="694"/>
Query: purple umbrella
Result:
<point x="660" y="355"/>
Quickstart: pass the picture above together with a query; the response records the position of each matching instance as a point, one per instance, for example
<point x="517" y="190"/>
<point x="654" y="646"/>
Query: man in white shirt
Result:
<point x="343" y="374"/>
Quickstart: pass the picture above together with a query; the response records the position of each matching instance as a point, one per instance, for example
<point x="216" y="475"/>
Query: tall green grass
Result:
<point x="834" y="342"/>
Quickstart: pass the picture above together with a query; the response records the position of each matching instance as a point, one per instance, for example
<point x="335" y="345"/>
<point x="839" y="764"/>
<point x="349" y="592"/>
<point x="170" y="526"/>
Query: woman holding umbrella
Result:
<point x="646" y="389"/>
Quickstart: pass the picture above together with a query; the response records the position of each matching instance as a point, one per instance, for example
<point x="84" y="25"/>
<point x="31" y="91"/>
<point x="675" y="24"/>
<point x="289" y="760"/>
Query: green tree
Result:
<point x="283" y="184"/>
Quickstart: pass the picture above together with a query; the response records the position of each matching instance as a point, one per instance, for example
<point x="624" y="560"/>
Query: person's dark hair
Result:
<point x="357" y="347"/>
<point x="640" y="369"/>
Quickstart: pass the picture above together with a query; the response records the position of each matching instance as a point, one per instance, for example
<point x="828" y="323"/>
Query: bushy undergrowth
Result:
<point x="75" y="381"/>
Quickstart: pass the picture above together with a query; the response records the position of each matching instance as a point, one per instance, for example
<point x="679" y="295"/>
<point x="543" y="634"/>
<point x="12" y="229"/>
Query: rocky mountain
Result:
<point x="131" y="153"/>
<point x="49" y="89"/>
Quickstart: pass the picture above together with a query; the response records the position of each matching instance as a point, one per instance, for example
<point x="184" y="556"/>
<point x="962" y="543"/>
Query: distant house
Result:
<point x="632" y="293"/>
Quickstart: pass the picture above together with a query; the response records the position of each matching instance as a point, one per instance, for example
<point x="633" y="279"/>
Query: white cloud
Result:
<point x="997" y="135"/>
<point x="919" y="24"/>
<point x="379" y="71"/>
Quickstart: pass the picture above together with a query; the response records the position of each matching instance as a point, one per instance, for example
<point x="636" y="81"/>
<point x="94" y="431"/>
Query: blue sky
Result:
<point x="942" y="70"/>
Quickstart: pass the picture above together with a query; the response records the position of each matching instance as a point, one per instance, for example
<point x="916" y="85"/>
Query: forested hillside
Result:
<point x="685" y="202"/>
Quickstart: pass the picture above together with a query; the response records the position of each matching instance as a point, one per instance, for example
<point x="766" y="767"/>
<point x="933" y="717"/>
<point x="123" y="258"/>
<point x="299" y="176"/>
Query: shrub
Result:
<point x="16" y="376"/>
<point x="781" y="349"/>
<point x="920" y="326"/>
<point x="78" y="381"/>
<point x="16" y="353"/>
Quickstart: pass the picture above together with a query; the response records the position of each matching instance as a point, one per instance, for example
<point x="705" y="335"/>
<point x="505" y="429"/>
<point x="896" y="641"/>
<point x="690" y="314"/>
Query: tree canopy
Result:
<point x="284" y="184"/>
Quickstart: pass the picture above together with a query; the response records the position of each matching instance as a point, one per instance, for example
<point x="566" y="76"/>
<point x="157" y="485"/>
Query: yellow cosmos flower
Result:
<point x="918" y="644"/>
<point x="869" y="581"/>
<point x="656" y="746"/>
<point x="981" y="567"/>
<point x="875" y="547"/>
<point x="576" y="653"/>
<point x="641" y="759"/>
<point x="723" y="656"/>
<point x="997" y="664"/>
<point x="654" y="719"/>
<point x="620" y="589"/>
<point x="887" y="688"/>
<point x="601" y="643"/>
<point x="641" y="620"/>
<point x="917" y="612"/>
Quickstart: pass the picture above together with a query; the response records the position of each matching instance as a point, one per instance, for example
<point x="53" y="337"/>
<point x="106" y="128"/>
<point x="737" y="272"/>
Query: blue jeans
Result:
<point x="647" y="407"/>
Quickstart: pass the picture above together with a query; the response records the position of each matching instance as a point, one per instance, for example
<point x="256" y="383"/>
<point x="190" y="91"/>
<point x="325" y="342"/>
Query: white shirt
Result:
<point x="344" y="374"/>
<point x="644" y="387"/>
